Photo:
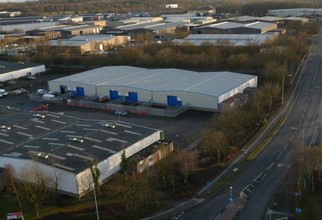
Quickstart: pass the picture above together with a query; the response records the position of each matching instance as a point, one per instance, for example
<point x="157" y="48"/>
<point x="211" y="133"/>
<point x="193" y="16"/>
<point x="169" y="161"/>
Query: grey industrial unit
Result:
<point x="12" y="70"/>
<point x="172" y="87"/>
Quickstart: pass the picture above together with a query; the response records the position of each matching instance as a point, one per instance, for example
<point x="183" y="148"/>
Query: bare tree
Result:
<point x="188" y="161"/>
<point x="214" y="142"/>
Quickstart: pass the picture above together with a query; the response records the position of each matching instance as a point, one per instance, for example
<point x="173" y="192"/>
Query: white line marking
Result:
<point x="30" y="146"/>
<point x="92" y="139"/>
<point x="54" y="116"/>
<point x="83" y="125"/>
<point x="90" y="129"/>
<point x="7" y="142"/>
<point x="56" y="144"/>
<point x="56" y="156"/>
<point x="50" y="139"/>
<point x="24" y="134"/>
<point x="41" y="127"/>
<point x="82" y="156"/>
<point x="23" y="128"/>
<point x="108" y="132"/>
<point x="60" y="122"/>
<point x="103" y="148"/>
<point x="131" y="132"/>
<point x="115" y="139"/>
<point x="69" y="132"/>
<point x="74" y="147"/>
<point x="64" y="167"/>
<point x="3" y="134"/>
<point x="37" y="120"/>
<point x="123" y="125"/>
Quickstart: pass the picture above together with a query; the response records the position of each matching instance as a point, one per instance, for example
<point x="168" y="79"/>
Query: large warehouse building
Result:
<point x="11" y="70"/>
<point x="61" y="147"/>
<point x="172" y="87"/>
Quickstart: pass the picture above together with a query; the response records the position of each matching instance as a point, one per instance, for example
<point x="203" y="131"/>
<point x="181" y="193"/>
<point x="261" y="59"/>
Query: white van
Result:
<point x="3" y="92"/>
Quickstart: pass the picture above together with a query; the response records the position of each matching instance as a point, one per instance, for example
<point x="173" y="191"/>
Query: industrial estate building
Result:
<point x="88" y="43"/>
<point x="235" y="28"/>
<point x="11" y="70"/>
<point x="61" y="147"/>
<point x="226" y="39"/>
<point x="296" y="12"/>
<point x="171" y="87"/>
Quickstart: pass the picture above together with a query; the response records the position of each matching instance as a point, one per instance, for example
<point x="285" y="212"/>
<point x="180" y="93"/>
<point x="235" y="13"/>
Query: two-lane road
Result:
<point x="264" y="175"/>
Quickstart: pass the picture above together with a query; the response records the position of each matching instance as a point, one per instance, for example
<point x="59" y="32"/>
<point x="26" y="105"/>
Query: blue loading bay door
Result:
<point x="172" y="101"/>
<point x="80" y="91"/>
<point x="133" y="97"/>
<point x="114" y="94"/>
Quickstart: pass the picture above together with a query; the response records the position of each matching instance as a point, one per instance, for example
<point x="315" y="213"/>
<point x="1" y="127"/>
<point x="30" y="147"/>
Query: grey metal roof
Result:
<point x="209" y="83"/>
<point x="80" y="40"/>
<point x="258" y="25"/>
<point x="50" y="136"/>
<point x="151" y="26"/>
<point x="231" y="25"/>
<point x="6" y="67"/>
<point x="234" y="39"/>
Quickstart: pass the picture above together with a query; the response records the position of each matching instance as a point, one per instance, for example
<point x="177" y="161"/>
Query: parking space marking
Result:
<point x="56" y="156"/>
<point x="30" y="146"/>
<point x="60" y="122"/>
<point x="123" y="125"/>
<point x="82" y="156"/>
<point x="6" y="142"/>
<point x="55" y="116"/>
<point x="3" y="134"/>
<point x="23" y="128"/>
<point x="131" y="132"/>
<point x="108" y="132"/>
<point x="56" y="144"/>
<point x="74" y="147"/>
<point x="83" y="125"/>
<point x="69" y="132"/>
<point x="64" y="167"/>
<point x="90" y="129"/>
<point x="24" y="134"/>
<point x="106" y="149"/>
<point x="41" y="127"/>
<point x="50" y="139"/>
<point x="115" y="139"/>
<point x="37" y="120"/>
<point x="92" y="139"/>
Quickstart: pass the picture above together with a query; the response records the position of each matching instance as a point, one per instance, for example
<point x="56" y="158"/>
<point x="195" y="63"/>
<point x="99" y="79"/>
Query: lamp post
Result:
<point x="96" y="206"/>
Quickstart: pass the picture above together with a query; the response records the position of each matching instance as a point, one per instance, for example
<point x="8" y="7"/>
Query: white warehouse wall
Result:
<point x="66" y="181"/>
<point x="21" y="73"/>
<point x="195" y="100"/>
<point x="143" y="95"/>
<point x="90" y="90"/>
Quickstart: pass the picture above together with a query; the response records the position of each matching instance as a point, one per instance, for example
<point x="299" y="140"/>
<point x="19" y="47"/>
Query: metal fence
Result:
<point x="90" y="102"/>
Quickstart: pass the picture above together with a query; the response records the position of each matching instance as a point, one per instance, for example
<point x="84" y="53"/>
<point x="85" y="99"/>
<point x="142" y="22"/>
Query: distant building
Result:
<point x="171" y="6"/>
<point x="90" y="43"/>
<point x="235" y="40"/>
<point x="206" y="11"/>
<point x="71" y="20"/>
<point x="235" y="28"/>
<point x="297" y="12"/>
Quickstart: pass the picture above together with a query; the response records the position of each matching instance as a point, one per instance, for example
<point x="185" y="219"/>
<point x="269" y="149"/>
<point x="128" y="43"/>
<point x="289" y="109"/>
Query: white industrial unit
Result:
<point x="66" y="161"/>
<point x="10" y="70"/>
<point x="198" y="90"/>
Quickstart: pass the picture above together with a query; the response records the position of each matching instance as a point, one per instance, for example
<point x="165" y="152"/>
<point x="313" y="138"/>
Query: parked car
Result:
<point x="39" y="115"/>
<point x="109" y="124"/>
<point x="76" y="139"/>
<point x="4" y="127"/>
<point x="31" y="77"/>
<point x="120" y="112"/>
<point x="3" y="92"/>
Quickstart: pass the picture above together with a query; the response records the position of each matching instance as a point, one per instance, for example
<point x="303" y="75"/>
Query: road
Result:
<point x="261" y="179"/>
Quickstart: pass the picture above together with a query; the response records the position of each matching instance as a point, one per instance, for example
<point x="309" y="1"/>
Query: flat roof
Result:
<point x="151" y="26"/>
<point x="234" y="39"/>
<point x="52" y="135"/>
<point x="6" y="67"/>
<point x="231" y="25"/>
<point x="80" y="40"/>
<point x="209" y="83"/>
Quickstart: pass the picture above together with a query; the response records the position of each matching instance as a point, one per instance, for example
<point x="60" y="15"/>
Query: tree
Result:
<point x="214" y="142"/>
<point x="125" y="163"/>
<point x="96" y="173"/>
<point x="188" y="161"/>
<point x="34" y="185"/>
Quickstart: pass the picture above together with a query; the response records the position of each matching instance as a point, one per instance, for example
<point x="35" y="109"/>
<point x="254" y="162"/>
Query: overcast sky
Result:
<point x="6" y="1"/>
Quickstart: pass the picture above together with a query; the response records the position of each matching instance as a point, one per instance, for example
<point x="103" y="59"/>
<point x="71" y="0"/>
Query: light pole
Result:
<point x="97" y="215"/>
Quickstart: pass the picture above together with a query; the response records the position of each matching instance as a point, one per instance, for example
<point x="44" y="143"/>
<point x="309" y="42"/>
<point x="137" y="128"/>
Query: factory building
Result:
<point x="62" y="147"/>
<point x="171" y="87"/>
<point x="235" y="28"/>
<point x="11" y="70"/>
